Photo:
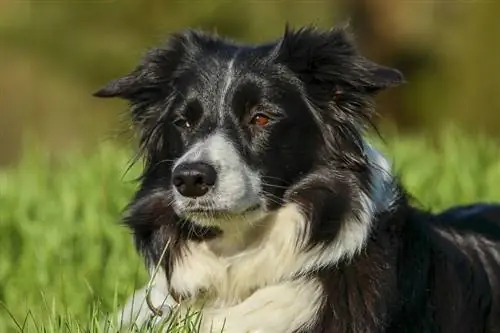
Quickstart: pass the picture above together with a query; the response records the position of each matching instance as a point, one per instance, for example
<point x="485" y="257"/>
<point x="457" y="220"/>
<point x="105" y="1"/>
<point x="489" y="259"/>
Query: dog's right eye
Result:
<point x="260" y="120"/>
<point x="181" y="122"/>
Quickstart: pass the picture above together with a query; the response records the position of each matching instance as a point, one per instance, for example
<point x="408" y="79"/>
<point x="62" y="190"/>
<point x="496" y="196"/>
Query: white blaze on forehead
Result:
<point x="228" y="79"/>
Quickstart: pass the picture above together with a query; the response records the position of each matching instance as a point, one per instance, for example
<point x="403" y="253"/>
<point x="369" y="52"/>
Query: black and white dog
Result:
<point x="272" y="211"/>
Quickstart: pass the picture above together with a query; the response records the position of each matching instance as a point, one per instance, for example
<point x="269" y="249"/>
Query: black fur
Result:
<point x="317" y="89"/>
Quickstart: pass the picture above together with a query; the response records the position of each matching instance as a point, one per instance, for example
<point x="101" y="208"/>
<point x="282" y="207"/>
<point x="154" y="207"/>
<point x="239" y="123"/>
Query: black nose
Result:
<point x="194" y="179"/>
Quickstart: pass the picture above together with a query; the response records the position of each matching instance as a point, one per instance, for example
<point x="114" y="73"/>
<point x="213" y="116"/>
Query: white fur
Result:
<point x="280" y="308"/>
<point x="228" y="79"/>
<point x="136" y="310"/>
<point x="252" y="289"/>
<point x="271" y="309"/>
<point x="382" y="195"/>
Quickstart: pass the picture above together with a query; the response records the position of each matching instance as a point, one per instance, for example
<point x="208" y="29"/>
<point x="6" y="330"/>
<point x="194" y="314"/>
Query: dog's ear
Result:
<point x="381" y="77"/>
<point x="153" y="74"/>
<point x="124" y="87"/>
<point x="327" y="60"/>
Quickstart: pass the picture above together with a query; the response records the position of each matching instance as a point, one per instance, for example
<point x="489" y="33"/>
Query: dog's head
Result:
<point x="228" y="129"/>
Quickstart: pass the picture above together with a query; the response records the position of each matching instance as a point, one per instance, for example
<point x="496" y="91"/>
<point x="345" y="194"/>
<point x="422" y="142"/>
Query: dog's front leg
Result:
<point x="280" y="308"/>
<point x="138" y="313"/>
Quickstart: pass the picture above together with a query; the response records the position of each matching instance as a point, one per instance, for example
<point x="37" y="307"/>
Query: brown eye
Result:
<point x="260" y="120"/>
<point x="182" y="123"/>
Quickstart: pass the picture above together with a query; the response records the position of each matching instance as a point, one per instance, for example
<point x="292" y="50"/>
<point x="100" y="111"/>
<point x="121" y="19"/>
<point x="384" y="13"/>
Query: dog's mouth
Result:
<point x="214" y="216"/>
<point x="214" y="212"/>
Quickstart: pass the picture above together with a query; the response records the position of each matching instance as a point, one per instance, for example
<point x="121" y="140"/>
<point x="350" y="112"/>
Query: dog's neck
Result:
<point x="237" y="236"/>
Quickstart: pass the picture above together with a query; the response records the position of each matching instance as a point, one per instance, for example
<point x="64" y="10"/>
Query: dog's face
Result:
<point x="227" y="129"/>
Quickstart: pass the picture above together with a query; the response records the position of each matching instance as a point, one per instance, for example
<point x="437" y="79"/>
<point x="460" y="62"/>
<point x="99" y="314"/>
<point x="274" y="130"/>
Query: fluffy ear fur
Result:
<point x="154" y="73"/>
<point x="150" y="77"/>
<point x="124" y="87"/>
<point x="329" y="63"/>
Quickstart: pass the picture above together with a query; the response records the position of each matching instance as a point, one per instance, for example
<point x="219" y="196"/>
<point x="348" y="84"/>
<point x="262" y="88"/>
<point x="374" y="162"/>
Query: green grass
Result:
<point x="65" y="261"/>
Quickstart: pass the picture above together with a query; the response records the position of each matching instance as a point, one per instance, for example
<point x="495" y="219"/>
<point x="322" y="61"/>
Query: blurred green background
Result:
<point x="55" y="53"/>
<point x="65" y="261"/>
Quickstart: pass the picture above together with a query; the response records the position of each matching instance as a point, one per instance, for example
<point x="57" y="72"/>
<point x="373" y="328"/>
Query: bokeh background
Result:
<point x="55" y="53"/>
<point x="64" y="259"/>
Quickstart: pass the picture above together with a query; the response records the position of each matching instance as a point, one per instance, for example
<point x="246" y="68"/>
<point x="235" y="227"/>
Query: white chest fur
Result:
<point x="227" y="279"/>
<point x="252" y="291"/>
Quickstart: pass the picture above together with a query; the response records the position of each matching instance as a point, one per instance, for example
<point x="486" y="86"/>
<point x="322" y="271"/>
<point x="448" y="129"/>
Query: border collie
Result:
<point x="263" y="206"/>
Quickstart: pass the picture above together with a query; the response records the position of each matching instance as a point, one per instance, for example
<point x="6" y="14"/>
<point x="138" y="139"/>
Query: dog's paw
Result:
<point x="138" y="313"/>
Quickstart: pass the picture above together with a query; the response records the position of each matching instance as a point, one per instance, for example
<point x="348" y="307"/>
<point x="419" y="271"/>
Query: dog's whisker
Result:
<point x="275" y="186"/>
<point x="264" y="177"/>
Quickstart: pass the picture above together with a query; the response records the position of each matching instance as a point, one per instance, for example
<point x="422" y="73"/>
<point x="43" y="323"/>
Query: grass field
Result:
<point x="65" y="260"/>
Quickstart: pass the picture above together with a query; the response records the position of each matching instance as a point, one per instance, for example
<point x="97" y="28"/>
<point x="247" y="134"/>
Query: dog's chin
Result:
<point x="222" y="217"/>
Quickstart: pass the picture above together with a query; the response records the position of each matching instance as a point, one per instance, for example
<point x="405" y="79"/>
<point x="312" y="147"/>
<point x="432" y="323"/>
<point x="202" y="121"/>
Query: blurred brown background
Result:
<point x="55" y="53"/>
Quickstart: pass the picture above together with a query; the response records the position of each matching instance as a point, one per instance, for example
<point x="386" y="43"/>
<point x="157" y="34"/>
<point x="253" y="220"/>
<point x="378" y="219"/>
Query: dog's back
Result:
<point x="475" y="230"/>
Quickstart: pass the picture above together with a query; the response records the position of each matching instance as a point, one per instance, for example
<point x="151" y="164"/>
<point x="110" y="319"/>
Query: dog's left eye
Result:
<point x="181" y="123"/>
<point x="260" y="120"/>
